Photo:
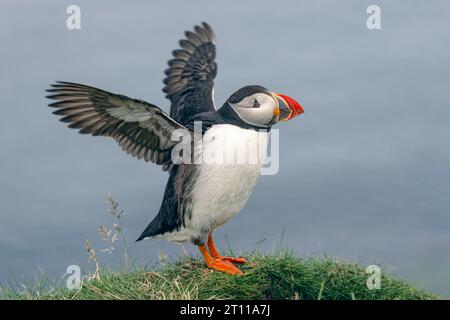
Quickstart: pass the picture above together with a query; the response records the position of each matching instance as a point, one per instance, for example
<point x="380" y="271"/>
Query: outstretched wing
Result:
<point x="140" y="128"/>
<point x="189" y="83"/>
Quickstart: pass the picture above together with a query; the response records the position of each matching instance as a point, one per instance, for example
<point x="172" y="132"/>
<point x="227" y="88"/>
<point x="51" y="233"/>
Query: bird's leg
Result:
<point x="217" y="263"/>
<point x="215" y="253"/>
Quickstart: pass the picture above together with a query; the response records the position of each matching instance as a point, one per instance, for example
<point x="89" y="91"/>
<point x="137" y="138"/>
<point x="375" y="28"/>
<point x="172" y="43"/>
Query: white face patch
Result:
<point x="256" y="109"/>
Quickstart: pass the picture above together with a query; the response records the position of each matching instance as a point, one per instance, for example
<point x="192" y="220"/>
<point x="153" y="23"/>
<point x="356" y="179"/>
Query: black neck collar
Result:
<point x="225" y="115"/>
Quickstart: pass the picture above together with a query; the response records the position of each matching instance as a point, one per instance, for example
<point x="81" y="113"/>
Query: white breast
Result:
<point x="232" y="159"/>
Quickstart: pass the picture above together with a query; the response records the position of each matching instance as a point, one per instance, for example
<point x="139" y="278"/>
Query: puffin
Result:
<point x="200" y="196"/>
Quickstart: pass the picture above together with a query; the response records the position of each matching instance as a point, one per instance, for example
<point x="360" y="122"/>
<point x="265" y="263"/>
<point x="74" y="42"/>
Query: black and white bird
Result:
<point x="200" y="195"/>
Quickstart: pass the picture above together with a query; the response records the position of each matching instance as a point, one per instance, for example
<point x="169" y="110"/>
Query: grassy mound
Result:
<point x="281" y="276"/>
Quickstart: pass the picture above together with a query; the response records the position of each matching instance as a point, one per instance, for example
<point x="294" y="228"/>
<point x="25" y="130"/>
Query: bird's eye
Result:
<point x="256" y="104"/>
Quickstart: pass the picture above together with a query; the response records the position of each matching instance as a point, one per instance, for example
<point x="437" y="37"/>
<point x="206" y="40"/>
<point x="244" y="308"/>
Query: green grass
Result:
<point x="279" y="276"/>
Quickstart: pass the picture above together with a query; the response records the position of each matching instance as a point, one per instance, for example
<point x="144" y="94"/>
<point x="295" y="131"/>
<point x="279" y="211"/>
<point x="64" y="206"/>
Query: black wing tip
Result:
<point x="68" y="83"/>
<point x="59" y="85"/>
<point x="56" y="104"/>
<point x="52" y="89"/>
<point x="205" y="25"/>
<point x="191" y="41"/>
<point x="205" y="28"/>
<point x="141" y="237"/>
<point x="55" y="87"/>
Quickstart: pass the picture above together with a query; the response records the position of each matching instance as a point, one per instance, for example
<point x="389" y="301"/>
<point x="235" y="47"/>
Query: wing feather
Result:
<point x="189" y="81"/>
<point x="140" y="128"/>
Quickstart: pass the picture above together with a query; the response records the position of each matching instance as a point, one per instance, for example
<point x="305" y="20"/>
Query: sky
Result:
<point x="364" y="173"/>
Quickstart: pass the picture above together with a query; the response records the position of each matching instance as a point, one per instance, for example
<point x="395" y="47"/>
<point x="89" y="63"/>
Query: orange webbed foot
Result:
<point x="218" y="263"/>
<point x="240" y="260"/>
<point x="223" y="265"/>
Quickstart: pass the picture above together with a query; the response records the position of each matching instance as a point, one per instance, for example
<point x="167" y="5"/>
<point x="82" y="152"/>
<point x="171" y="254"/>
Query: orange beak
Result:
<point x="288" y="108"/>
